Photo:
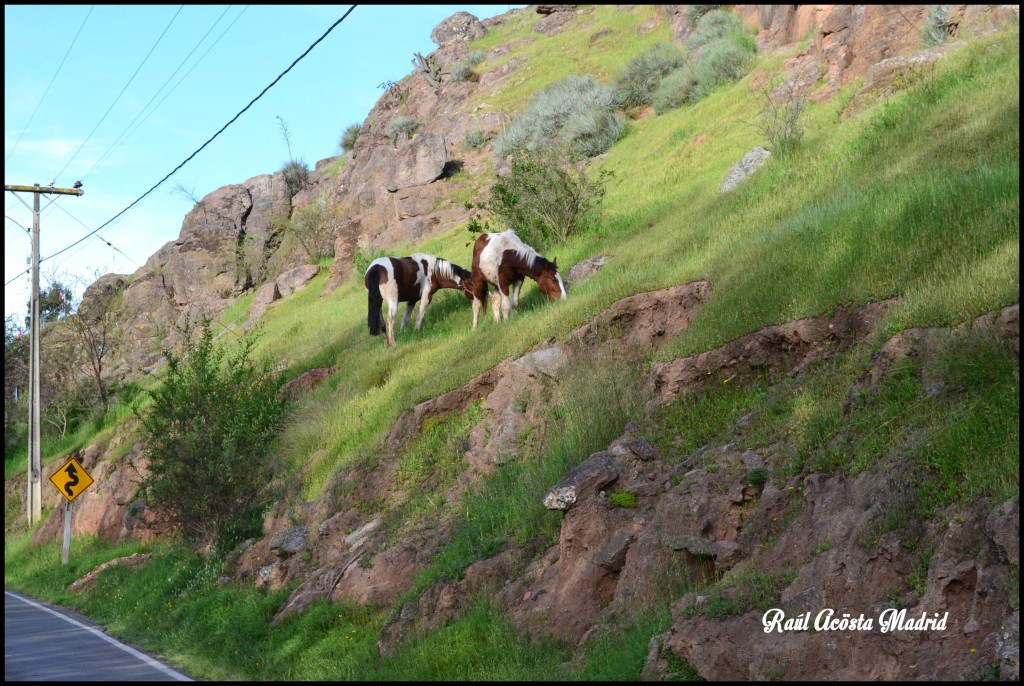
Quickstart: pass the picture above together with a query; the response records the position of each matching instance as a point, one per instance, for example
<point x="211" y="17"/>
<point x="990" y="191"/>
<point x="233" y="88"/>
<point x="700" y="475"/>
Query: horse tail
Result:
<point x="374" y="301"/>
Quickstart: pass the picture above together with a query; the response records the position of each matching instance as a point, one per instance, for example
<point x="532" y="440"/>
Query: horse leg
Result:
<point x="405" y="318"/>
<point x="479" y="296"/>
<point x="506" y="306"/>
<point x="392" y="311"/>
<point x="424" y="301"/>
<point x="514" y="293"/>
<point x="503" y="301"/>
<point x="496" y="305"/>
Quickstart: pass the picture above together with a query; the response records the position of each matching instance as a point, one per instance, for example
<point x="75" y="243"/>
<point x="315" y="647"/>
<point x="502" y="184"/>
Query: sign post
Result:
<point x="71" y="480"/>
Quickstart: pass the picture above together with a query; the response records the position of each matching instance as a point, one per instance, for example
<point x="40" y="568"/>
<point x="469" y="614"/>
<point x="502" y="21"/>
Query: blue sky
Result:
<point x="117" y="96"/>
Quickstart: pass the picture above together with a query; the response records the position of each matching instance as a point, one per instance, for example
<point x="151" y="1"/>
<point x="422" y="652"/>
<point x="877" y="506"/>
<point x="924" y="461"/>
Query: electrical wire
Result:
<point x="139" y="68"/>
<point x="52" y="79"/>
<point x="125" y="135"/>
<point x="211" y="139"/>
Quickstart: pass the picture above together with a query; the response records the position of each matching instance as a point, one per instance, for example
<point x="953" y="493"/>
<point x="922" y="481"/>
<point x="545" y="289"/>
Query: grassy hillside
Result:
<point x="915" y="196"/>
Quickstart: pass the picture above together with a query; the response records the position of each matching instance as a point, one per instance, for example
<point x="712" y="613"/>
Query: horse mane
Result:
<point x="528" y="253"/>
<point x="459" y="271"/>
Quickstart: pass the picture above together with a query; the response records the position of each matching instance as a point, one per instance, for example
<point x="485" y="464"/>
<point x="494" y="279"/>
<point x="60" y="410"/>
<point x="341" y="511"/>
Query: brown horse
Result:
<point x="502" y="259"/>
<point x="410" y="280"/>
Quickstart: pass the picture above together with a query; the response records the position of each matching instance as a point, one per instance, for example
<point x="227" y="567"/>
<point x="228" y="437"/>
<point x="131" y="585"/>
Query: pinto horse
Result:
<point x="410" y="280"/>
<point x="502" y="259"/>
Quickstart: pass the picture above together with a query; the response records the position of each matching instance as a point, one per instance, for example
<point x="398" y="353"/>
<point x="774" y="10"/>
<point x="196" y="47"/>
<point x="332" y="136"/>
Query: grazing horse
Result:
<point x="502" y="259"/>
<point x="410" y="280"/>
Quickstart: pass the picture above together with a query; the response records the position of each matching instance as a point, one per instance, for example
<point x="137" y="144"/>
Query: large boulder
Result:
<point x="461" y="27"/>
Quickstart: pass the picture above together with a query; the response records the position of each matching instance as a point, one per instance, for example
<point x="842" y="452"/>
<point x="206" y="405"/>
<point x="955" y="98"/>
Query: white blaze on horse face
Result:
<point x="561" y="285"/>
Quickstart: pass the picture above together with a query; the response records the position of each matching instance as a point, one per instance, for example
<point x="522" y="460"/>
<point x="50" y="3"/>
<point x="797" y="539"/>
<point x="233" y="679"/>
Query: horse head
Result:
<point x="549" y="281"/>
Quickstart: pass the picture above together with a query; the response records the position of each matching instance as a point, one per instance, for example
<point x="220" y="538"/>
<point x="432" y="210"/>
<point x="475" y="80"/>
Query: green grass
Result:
<point x="916" y="196"/>
<point x="742" y="592"/>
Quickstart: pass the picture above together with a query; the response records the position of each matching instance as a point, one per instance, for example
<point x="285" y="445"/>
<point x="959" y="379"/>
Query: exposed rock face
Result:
<point x="107" y="508"/>
<point x="98" y="297"/>
<point x="786" y="345"/>
<point x="556" y="19"/>
<point x="225" y="242"/>
<point x="414" y="164"/>
<point x="585" y="269"/>
<point x="848" y="39"/>
<point x="852" y="577"/>
<point x="748" y="164"/>
<point x="460" y="27"/>
<point x="880" y="77"/>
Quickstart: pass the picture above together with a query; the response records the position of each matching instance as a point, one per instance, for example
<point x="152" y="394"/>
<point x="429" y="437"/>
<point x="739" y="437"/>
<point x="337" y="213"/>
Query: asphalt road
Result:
<point x="46" y="643"/>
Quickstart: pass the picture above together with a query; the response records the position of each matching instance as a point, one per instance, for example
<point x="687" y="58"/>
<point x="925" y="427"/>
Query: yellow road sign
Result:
<point x="71" y="479"/>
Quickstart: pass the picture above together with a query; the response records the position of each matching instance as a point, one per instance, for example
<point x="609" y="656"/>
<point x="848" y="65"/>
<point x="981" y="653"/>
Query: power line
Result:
<point x="232" y="121"/>
<point x="30" y="119"/>
<point x="27" y="230"/>
<point x="125" y="134"/>
<point x="111" y="245"/>
<point x="144" y="60"/>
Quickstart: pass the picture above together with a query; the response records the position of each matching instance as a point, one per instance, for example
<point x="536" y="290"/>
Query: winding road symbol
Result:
<point x="71" y="479"/>
<point x="73" y="473"/>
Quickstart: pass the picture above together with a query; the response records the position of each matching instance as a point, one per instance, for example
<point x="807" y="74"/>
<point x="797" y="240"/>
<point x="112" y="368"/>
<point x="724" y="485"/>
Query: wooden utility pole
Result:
<point x="34" y="494"/>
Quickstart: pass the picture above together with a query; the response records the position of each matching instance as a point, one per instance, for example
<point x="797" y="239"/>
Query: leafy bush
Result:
<point x="675" y="90"/>
<point x="207" y="436"/>
<point x="313" y="226"/>
<point x="757" y="477"/>
<point x="695" y="12"/>
<point x="719" y="62"/>
<point x="460" y="71"/>
<point x="543" y="121"/>
<point x="715" y="25"/>
<point x="403" y="124"/>
<point x="475" y="140"/>
<point x="475" y="57"/>
<point x="348" y="139"/>
<point x="546" y="198"/>
<point x="636" y="83"/>
<point x="296" y="176"/>
<point x="593" y="132"/>
<point x="935" y="30"/>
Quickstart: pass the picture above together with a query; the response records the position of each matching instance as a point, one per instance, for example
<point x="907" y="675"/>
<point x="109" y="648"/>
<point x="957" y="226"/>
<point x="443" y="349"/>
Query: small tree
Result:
<point x="98" y="335"/>
<point x="54" y="302"/>
<point x="546" y="197"/>
<point x="779" y="118"/>
<point x="313" y="226"/>
<point x="16" y="368"/>
<point x="208" y="435"/>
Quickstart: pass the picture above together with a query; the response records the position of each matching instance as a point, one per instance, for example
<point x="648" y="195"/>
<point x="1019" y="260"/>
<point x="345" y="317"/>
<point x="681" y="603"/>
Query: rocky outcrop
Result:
<point x="790" y="345"/>
<point x="847" y="40"/>
<point x="100" y="295"/>
<point x="225" y="243"/>
<point x="460" y="27"/>
<point x="746" y="167"/>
